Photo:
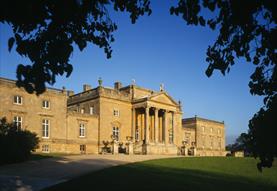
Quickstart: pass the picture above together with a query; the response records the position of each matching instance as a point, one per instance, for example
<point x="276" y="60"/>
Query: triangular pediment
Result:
<point x="163" y="98"/>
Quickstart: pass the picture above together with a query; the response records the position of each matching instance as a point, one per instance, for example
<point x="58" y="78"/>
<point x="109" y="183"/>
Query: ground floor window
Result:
<point x="45" y="148"/>
<point x="82" y="149"/>
<point x="45" y="128"/>
<point x="137" y="134"/>
<point x="18" y="121"/>
<point x="116" y="133"/>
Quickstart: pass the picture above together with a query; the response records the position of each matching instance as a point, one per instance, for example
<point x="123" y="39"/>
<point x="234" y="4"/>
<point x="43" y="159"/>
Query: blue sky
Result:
<point x="159" y="49"/>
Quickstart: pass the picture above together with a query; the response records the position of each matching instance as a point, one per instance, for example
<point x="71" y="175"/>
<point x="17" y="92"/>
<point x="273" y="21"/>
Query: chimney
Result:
<point x="86" y="87"/>
<point x="70" y="93"/>
<point x="117" y="85"/>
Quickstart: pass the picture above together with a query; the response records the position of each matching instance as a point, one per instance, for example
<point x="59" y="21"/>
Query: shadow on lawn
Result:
<point x="145" y="177"/>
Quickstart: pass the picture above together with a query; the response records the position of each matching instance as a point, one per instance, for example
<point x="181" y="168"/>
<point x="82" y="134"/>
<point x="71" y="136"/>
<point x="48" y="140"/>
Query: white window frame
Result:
<point x="82" y="130"/>
<point x="17" y="120"/>
<point x="116" y="112"/>
<point x="116" y="132"/>
<point x="18" y="100"/>
<point x="91" y="110"/>
<point x="45" y="104"/>
<point x="45" y="128"/>
<point x="45" y="149"/>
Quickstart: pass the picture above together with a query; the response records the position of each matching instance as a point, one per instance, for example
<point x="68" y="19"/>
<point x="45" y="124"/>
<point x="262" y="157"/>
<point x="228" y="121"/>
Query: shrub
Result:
<point x="15" y="144"/>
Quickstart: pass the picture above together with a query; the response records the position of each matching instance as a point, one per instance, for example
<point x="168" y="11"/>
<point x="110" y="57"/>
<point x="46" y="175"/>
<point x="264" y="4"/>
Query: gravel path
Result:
<point x="39" y="174"/>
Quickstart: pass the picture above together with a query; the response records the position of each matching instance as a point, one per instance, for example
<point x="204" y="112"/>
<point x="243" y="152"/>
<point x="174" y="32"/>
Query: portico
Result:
<point x="153" y="124"/>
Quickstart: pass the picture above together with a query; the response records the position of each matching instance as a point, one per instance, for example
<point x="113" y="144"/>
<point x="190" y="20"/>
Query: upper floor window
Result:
<point x="203" y="129"/>
<point x="45" y="128"/>
<point x="82" y="111"/>
<point x="219" y="144"/>
<point x="91" y="110"/>
<point x="211" y="130"/>
<point x="17" y="120"/>
<point x="116" y="112"/>
<point x="46" y="104"/>
<point x="218" y="131"/>
<point x="212" y="142"/>
<point x="116" y="133"/>
<point x="203" y="140"/>
<point x="17" y="100"/>
<point x="82" y="130"/>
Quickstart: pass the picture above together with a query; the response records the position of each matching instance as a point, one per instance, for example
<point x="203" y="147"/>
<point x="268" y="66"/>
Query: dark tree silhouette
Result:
<point x="242" y="143"/>
<point x="45" y="31"/>
<point x="16" y="144"/>
<point x="247" y="29"/>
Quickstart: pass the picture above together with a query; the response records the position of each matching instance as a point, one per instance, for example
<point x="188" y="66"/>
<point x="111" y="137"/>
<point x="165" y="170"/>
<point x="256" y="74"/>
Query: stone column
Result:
<point x="146" y="128"/>
<point x="134" y="124"/>
<point x="115" y="147"/>
<point x="156" y="125"/>
<point x="130" y="148"/>
<point x="166" y="137"/>
<point x="173" y="130"/>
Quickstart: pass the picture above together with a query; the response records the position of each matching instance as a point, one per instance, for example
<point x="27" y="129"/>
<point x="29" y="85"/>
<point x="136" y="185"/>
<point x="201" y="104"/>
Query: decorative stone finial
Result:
<point x="100" y="81"/>
<point x="133" y="82"/>
<point x="161" y="87"/>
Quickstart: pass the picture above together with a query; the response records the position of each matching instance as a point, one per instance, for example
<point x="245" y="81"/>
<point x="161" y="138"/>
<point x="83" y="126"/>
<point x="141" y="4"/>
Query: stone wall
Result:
<point x="209" y="136"/>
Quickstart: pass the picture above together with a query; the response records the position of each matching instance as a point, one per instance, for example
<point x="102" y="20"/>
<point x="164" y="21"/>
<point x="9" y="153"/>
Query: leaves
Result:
<point x="10" y="43"/>
<point x="247" y="30"/>
<point x="44" y="32"/>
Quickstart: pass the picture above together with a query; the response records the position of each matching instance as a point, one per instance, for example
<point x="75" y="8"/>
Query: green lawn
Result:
<point x="209" y="173"/>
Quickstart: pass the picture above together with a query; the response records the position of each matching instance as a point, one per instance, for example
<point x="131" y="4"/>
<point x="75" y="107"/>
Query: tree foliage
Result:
<point x="15" y="144"/>
<point x="45" y="31"/>
<point x="247" y="29"/>
<point x="242" y="143"/>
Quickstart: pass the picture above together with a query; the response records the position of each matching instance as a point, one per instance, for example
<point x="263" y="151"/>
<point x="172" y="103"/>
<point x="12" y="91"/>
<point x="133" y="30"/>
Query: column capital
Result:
<point x="147" y="109"/>
<point x="156" y="109"/>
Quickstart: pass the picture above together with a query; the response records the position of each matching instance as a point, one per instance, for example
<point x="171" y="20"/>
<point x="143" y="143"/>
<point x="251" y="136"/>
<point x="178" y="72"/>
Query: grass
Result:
<point x="209" y="173"/>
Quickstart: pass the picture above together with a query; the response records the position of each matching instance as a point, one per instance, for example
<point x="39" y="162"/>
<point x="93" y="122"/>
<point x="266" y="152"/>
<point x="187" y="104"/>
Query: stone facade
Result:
<point x="206" y="137"/>
<point x="128" y="119"/>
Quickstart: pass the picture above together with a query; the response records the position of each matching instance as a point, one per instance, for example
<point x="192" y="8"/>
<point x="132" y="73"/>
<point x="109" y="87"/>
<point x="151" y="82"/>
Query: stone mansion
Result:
<point x="123" y="119"/>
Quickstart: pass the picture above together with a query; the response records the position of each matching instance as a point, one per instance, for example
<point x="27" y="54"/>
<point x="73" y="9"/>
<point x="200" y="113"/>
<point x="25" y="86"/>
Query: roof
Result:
<point x="192" y="119"/>
<point x="14" y="82"/>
